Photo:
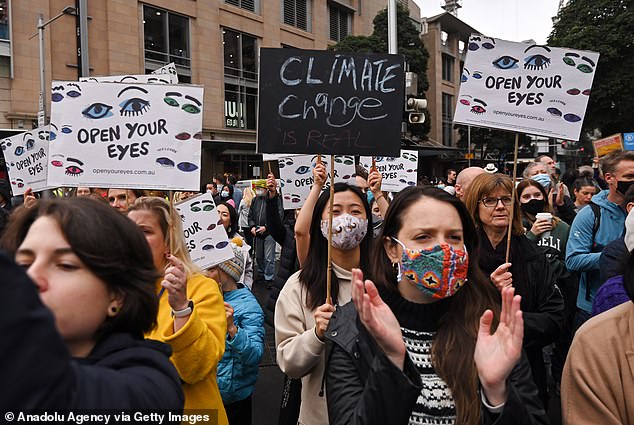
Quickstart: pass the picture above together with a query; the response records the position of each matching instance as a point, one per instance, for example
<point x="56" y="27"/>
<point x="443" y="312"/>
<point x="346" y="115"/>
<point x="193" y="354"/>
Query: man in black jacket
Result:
<point x="264" y="242"/>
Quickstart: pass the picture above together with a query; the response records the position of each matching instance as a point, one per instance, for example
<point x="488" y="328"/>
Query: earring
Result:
<point x="395" y="266"/>
<point x="114" y="309"/>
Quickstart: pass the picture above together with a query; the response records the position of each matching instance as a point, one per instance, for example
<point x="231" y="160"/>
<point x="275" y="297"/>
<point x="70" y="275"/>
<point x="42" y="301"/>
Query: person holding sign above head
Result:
<point x="121" y="199"/>
<point x="72" y="338"/>
<point x="191" y="316"/>
<point x="302" y="311"/>
<point x="528" y="271"/>
<point x="428" y="343"/>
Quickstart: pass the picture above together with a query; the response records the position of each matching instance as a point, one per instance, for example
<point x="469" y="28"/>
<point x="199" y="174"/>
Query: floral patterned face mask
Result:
<point x="439" y="271"/>
<point x="347" y="231"/>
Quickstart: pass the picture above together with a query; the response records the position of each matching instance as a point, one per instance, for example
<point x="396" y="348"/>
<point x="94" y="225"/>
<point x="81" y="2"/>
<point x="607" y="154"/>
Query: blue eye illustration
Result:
<point x="57" y="97"/>
<point x="73" y="93"/>
<point x="302" y="170"/>
<point x="477" y="75"/>
<point x="554" y="112"/>
<point x="473" y="47"/>
<point x="52" y="136"/>
<point x="67" y="129"/>
<point x="30" y="144"/>
<point x="572" y="118"/>
<point x="19" y="151"/>
<point x="134" y="107"/>
<point x="505" y="62"/>
<point x="463" y="78"/>
<point x="487" y="45"/>
<point x="536" y="62"/>
<point x="187" y="167"/>
<point x="97" y="111"/>
<point x="165" y="162"/>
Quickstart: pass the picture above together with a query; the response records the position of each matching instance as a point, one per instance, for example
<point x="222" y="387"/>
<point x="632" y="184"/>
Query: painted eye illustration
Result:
<point x="18" y="183"/>
<point x="19" y="150"/>
<point x="170" y="101"/>
<point x="67" y="129"/>
<point x="302" y="170"/>
<point x="73" y="170"/>
<point x="536" y="62"/>
<point x="586" y="92"/>
<point x="208" y="207"/>
<point x="187" y="167"/>
<point x="212" y="226"/>
<point x="505" y="62"/>
<point x="477" y="75"/>
<point x="183" y="136"/>
<point x="488" y="45"/>
<point x="198" y="136"/>
<point x="572" y="118"/>
<point x="463" y="78"/>
<point x="134" y="107"/>
<point x="287" y="197"/>
<point x="283" y="164"/>
<point x="573" y="92"/>
<point x="586" y="69"/>
<point x="295" y="198"/>
<point x="4" y="145"/>
<point x="165" y="162"/>
<point x="378" y="158"/>
<point x="195" y="209"/>
<point x="554" y="112"/>
<point x="57" y="97"/>
<point x="97" y="111"/>
<point x="473" y="46"/>
<point x="52" y="136"/>
<point x="57" y="163"/>
<point x="477" y="109"/>
<point x="465" y="102"/>
<point x="30" y="144"/>
<point x="569" y="61"/>
<point x="190" y="108"/>
<point x="222" y="244"/>
<point x="73" y="93"/>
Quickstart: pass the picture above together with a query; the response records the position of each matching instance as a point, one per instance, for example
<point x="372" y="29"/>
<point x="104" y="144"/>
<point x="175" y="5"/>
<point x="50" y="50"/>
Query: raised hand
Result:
<point x="497" y="354"/>
<point x="378" y="318"/>
<point x="271" y="185"/>
<point x="502" y="277"/>
<point x="375" y="178"/>
<point x="540" y="226"/>
<point x="175" y="283"/>
<point x="29" y="198"/>
<point x="320" y="175"/>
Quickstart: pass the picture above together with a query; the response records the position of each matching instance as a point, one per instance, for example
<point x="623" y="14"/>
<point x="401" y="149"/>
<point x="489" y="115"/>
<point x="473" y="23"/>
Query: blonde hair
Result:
<point x="248" y="194"/>
<point x="171" y="226"/>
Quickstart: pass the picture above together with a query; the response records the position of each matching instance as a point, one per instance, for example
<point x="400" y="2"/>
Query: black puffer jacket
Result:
<point x="364" y="387"/>
<point x="121" y="372"/>
<point x="284" y="234"/>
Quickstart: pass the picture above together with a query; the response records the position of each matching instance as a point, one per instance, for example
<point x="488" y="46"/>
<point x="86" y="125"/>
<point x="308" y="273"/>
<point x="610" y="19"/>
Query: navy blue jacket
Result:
<point x="611" y="262"/>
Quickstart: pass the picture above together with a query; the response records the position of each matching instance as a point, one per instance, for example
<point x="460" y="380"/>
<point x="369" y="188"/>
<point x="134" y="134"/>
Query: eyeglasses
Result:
<point x="493" y="202"/>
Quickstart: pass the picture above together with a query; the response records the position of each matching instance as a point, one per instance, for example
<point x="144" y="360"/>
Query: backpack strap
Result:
<point x="596" y="210"/>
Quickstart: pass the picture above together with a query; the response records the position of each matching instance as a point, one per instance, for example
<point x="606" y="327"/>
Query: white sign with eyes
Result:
<point x="525" y="87"/>
<point x="398" y="173"/>
<point x="204" y="232"/>
<point x="296" y="176"/>
<point x="145" y="136"/>
<point x="26" y="156"/>
<point x="169" y="69"/>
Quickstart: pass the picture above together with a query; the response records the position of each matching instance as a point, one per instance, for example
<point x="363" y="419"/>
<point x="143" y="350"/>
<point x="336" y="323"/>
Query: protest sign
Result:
<point x="398" y="173"/>
<point x="205" y="236"/>
<point x="26" y="158"/>
<point x="128" y="136"/>
<point x="606" y="145"/>
<point x="296" y="176"/>
<point x="331" y="103"/>
<point x="526" y="88"/>
<point x="170" y="70"/>
<point x="131" y="79"/>
<point x="628" y="141"/>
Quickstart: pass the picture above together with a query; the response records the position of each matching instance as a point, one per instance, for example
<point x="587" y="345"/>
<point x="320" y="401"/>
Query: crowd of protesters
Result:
<point x="470" y="299"/>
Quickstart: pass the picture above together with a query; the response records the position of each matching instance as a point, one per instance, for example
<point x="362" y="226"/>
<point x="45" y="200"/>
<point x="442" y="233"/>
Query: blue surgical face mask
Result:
<point x="543" y="179"/>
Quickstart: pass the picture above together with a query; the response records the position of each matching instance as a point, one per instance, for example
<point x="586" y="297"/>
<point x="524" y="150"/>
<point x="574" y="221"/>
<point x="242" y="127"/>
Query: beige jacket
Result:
<point x="300" y="354"/>
<point x="598" y="379"/>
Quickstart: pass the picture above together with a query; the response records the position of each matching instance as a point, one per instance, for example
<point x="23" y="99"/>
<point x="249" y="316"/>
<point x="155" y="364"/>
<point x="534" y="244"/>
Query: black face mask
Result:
<point x="533" y="206"/>
<point x="622" y="187"/>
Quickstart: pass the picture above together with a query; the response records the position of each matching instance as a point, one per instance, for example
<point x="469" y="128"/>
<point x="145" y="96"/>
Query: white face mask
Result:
<point x="347" y="231"/>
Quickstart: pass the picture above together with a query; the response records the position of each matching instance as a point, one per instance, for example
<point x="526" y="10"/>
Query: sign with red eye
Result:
<point x="519" y="85"/>
<point x="27" y="160"/>
<point x="398" y="173"/>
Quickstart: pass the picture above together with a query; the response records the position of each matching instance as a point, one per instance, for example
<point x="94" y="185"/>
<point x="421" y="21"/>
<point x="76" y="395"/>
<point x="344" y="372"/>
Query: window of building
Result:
<point x="4" y="20"/>
<point x="340" y="22"/>
<point x="297" y="13"/>
<point x="443" y="38"/>
<point x="447" y="119"/>
<point x="250" y="5"/>
<point x="447" y="67"/>
<point x="241" y="79"/>
<point x="166" y="37"/>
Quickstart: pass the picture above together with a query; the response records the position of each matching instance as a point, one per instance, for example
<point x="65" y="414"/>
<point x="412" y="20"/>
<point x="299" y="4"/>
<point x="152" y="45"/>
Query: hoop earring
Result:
<point x="395" y="266"/>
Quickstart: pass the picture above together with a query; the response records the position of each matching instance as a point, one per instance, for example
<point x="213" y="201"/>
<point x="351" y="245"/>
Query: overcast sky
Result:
<point x="514" y="20"/>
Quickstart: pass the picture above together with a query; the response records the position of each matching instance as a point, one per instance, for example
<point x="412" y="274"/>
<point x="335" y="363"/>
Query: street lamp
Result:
<point x="41" y="112"/>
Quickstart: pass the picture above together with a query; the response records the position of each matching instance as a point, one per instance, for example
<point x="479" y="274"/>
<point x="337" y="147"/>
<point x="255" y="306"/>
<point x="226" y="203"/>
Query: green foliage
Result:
<point x="606" y="27"/>
<point x="409" y="45"/>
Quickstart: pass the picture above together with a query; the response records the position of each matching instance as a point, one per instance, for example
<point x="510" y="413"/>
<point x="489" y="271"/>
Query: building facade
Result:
<point x="214" y="43"/>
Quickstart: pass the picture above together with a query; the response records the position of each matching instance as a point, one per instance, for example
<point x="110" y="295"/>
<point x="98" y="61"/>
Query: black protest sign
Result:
<point x="322" y="102"/>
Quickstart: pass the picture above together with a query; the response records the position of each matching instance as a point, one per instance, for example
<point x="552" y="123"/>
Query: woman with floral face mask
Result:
<point x="302" y="312"/>
<point x="428" y="343"/>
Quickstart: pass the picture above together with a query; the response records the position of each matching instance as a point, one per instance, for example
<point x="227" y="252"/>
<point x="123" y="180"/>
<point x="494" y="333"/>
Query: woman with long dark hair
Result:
<point x="302" y="311"/>
<point x="428" y="343"/>
<point x="528" y="271"/>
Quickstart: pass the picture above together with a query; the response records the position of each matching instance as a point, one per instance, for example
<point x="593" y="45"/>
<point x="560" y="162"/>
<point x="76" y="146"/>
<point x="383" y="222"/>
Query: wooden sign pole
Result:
<point x="513" y="195"/>
<point x="330" y="208"/>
